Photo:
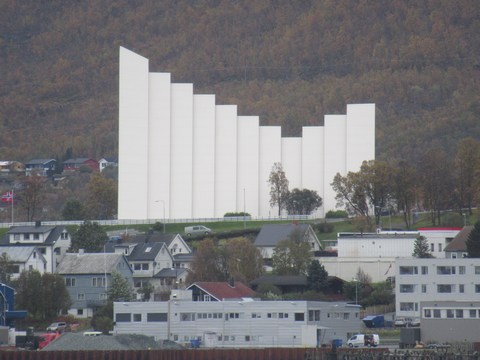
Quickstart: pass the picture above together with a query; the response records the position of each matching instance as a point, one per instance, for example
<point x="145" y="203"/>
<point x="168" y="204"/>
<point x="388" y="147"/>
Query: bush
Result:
<point x="236" y="214"/>
<point x="103" y="324"/>
<point x="337" y="214"/>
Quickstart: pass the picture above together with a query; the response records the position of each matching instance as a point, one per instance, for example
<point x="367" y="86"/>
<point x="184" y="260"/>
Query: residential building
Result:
<point x="75" y="164"/>
<point x="220" y="291"/>
<point x="420" y="280"/>
<point x="44" y="167"/>
<point x="217" y="161"/>
<point x="450" y="321"/>
<point x="244" y="323"/>
<point x="52" y="241"/>
<point x="271" y="235"/>
<point x="106" y="162"/>
<point x="88" y="278"/>
<point x="24" y="258"/>
<point x="457" y="247"/>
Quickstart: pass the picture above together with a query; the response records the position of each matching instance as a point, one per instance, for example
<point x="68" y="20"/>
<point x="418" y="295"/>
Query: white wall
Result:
<point x="159" y="146"/>
<point x="360" y="135"/>
<point x="291" y="161"/>
<point x="203" y="155"/>
<point x="313" y="161"/>
<point x="133" y="135"/>
<point x="247" y="164"/>
<point x="334" y="153"/>
<point x="225" y="159"/>
<point x="270" y="153"/>
<point x="181" y="147"/>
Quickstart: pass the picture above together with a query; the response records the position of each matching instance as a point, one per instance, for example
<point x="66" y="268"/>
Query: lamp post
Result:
<point x="356" y="290"/>
<point x="163" y="205"/>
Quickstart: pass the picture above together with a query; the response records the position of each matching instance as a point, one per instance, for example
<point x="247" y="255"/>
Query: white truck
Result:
<point x="364" y="340"/>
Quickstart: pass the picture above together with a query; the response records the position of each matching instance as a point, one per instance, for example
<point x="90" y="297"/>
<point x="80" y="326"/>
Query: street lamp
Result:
<point x="356" y="291"/>
<point x="163" y="204"/>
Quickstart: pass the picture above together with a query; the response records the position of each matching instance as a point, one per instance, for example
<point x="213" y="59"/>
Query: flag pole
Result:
<point x="12" y="207"/>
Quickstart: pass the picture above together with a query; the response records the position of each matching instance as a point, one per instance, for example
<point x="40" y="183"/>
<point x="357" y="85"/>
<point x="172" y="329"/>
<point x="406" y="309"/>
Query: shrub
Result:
<point x="337" y="214"/>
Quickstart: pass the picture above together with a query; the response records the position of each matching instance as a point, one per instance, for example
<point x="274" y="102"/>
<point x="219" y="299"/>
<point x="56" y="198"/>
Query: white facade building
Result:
<point x="420" y="280"/>
<point x="182" y="156"/>
<point x="240" y="323"/>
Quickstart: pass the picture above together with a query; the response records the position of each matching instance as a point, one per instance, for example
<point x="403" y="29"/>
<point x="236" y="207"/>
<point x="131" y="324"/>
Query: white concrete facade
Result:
<point x="240" y="323"/>
<point x="182" y="156"/>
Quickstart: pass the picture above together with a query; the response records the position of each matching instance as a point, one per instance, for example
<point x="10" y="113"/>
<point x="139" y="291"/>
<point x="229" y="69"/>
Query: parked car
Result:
<point x="364" y="340"/>
<point x="197" y="230"/>
<point x="57" y="326"/>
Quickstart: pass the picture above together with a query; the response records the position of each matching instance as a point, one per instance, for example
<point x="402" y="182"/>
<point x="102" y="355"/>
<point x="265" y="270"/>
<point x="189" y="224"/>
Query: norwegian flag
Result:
<point x="7" y="198"/>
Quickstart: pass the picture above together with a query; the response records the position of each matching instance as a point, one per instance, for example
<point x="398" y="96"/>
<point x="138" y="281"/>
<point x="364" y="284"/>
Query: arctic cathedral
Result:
<point x="182" y="156"/>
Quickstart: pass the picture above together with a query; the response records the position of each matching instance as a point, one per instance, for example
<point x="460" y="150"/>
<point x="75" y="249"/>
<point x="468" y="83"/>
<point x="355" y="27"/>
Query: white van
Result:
<point x="197" y="230"/>
<point x="364" y="340"/>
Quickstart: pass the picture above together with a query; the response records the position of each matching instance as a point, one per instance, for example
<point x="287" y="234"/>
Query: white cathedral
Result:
<point x="182" y="156"/>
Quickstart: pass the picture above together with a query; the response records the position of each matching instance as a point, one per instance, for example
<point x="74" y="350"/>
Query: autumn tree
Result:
<point x="90" y="237"/>
<point x="102" y="196"/>
<point x="73" y="210"/>
<point x="32" y="194"/>
<point x="473" y="241"/>
<point x="421" y="249"/>
<point x="292" y="256"/>
<point x="205" y="265"/>
<point x="278" y="187"/>
<point x="245" y="261"/>
<point x="405" y="190"/>
<point x="302" y="202"/>
<point x="467" y="166"/>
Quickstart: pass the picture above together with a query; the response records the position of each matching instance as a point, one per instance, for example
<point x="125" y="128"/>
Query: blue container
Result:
<point x="336" y="343"/>
<point x="195" y="344"/>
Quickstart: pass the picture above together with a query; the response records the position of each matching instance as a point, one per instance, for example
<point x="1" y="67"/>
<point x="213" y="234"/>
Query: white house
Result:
<point x="24" y="258"/>
<point x="214" y="160"/>
<point x="52" y="241"/>
<point x="240" y="323"/>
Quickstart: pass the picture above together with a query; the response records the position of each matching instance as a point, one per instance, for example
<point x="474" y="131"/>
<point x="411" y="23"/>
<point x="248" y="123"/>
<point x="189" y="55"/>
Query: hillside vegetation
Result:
<point x="291" y="62"/>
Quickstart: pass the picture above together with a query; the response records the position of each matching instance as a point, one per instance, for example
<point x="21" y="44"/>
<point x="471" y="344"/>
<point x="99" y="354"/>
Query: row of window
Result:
<point x="313" y="315"/>
<point x="102" y="296"/>
<point x="96" y="282"/>
<point x="441" y="288"/>
<point x="35" y="236"/>
<point x="440" y="270"/>
<point x="451" y="313"/>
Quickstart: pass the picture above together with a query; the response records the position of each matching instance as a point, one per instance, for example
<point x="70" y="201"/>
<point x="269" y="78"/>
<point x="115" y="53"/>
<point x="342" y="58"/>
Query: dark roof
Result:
<point x="146" y="251"/>
<point x="77" y="161"/>
<point x="223" y="290"/>
<point x="152" y="237"/>
<point x="183" y="257"/>
<point x="280" y="280"/>
<point x="55" y="232"/>
<point x="272" y="234"/>
<point x="458" y="242"/>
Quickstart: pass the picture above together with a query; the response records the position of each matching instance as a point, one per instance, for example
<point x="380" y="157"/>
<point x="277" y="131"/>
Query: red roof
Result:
<point x="223" y="290"/>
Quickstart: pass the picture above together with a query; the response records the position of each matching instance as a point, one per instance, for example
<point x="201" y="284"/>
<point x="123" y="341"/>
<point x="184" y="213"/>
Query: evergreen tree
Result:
<point x="120" y="288"/>
<point x="89" y="237"/>
<point x="317" y="276"/>
<point x="473" y="242"/>
<point x="421" y="249"/>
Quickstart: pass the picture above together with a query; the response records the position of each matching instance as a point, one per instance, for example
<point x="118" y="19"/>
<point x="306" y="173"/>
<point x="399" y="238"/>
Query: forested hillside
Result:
<point x="290" y="62"/>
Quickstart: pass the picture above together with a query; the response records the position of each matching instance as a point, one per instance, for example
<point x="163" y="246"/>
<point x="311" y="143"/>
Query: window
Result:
<point x="439" y="247"/>
<point x="26" y="236"/>
<point x="313" y="315"/>
<point x="137" y="317"/>
<point x="424" y="288"/>
<point x="459" y="313"/>
<point x="79" y="311"/>
<point x="424" y="270"/>
<point x="461" y="288"/>
<point x="156" y="317"/>
<point x="234" y="315"/>
<point x="436" y="313"/>
<point x="70" y="282"/>
<point x="283" y="315"/>
<point x="477" y="288"/>
<point x="407" y="306"/>
<point x="187" y="316"/>
<point x="407" y="288"/>
<point x="461" y="270"/>
<point x="346" y="316"/>
<point x="432" y="247"/>
<point x="15" y="269"/>
<point x="16" y="237"/>
<point x="36" y="236"/>
<point x="256" y="316"/>
<point x="299" y="317"/>
<point x="449" y="313"/>
<point x="477" y="270"/>
<point x="445" y="270"/>
<point x="80" y="296"/>
<point x="427" y="313"/>
<point x="126" y="317"/>
<point x="98" y="282"/>
<point x="445" y="288"/>
<point x="473" y="313"/>
<point x="408" y="270"/>
<point x="64" y="235"/>
<point x="103" y="296"/>
<point x="247" y="337"/>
